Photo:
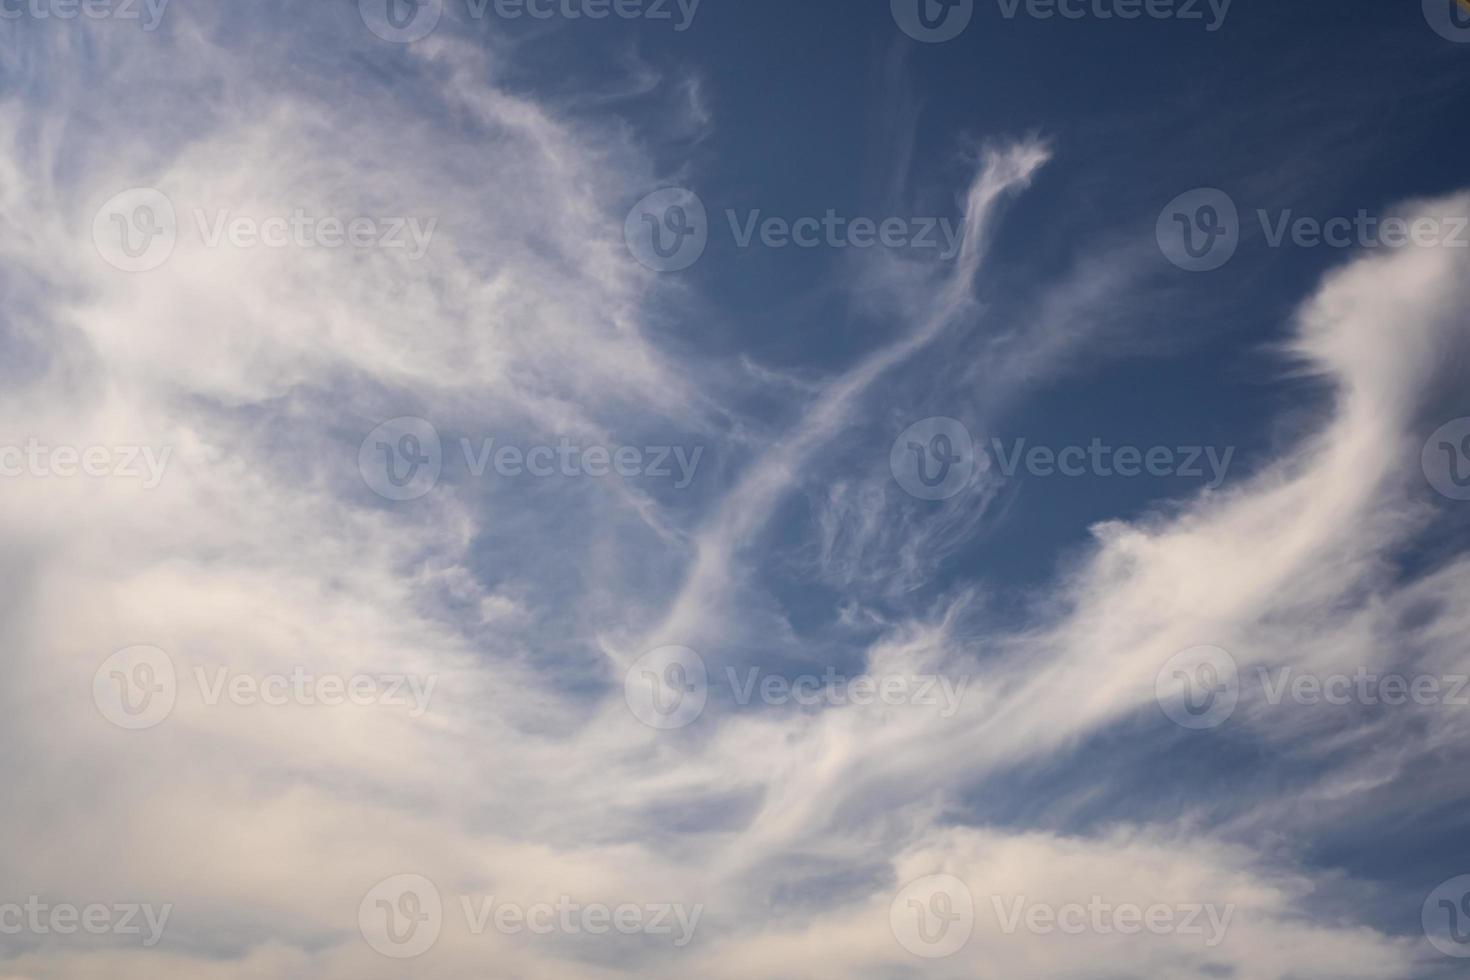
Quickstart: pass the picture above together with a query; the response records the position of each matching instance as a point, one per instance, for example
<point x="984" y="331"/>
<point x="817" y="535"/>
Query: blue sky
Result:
<point x="827" y="498"/>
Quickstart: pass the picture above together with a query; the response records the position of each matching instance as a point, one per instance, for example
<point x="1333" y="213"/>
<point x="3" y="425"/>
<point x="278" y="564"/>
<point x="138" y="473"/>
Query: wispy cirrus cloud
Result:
<point x="793" y="828"/>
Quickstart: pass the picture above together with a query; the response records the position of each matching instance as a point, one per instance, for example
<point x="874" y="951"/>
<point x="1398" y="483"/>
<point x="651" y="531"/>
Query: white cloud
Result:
<point x="262" y="551"/>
